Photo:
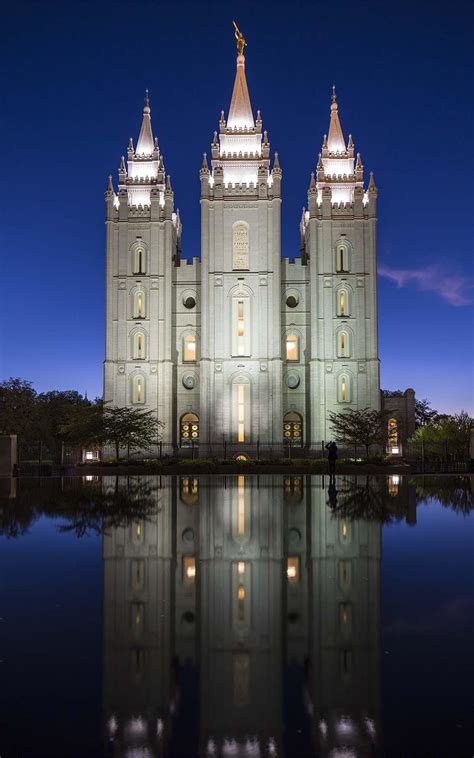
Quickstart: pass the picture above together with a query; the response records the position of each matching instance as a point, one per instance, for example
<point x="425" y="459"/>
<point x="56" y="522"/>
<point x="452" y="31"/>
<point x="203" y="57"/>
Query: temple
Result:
<point x="242" y="345"/>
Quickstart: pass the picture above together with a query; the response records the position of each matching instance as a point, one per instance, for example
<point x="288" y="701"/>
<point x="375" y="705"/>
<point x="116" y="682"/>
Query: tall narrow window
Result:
<point x="393" y="446"/>
<point x="342" y="259"/>
<point x="139" y="346"/>
<point x="189" y="348"/>
<point x="342" y="303"/>
<point x="189" y="569"/>
<point x="139" y="305"/>
<point x="138" y="391"/>
<point x="343" y="350"/>
<point x="241" y="413"/>
<point x="139" y="261"/>
<point x="293" y="569"/>
<point x="292" y="348"/>
<point x="344" y="389"/>
<point x="240" y="601"/>
<point x="240" y="328"/>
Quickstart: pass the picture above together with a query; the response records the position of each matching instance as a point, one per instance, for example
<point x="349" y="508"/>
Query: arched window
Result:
<point x="189" y="428"/>
<point x="342" y="258"/>
<point x="138" y="346"/>
<point x="139" y="260"/>
<point x="342" y="302"/>
<point x="241" y="325"/>
<point x="240" y="245"/>
<point x="343" y="344"/>
<point x="293" y="428"/>
<point x="189" y="348"/>
<point x="241" y="409"/>
<point x="393" y="440"/>
<point x="139" y="305"/>
<point x="138" y="389"/>
<point x="292" y="347"/>
<point x="293" y="489"/>
<point x="344" y="390"/>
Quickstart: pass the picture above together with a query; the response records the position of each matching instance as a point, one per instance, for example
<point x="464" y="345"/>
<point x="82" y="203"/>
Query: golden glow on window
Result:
<point x="241" y="592"/>
<point x="138" y="529"/>
<point x="343" y="389"/>
<point x="345" y="614"/>
<point x="189" y="488"/>
<point x="241" y="413"/>
<point x="393" y="485"/>
<point x="137" y="574"/>
<point x="344" y="529"/>
<point x="139" y="351"/>
<point x="293" y="427"/>
<point x="241" y="567"/>
<point x="240" y="328"/>
<point x="138" y="390"/>
<point x="292" y="348"/>
<point x="189" y="568"/>
<point x="137" y="614"/>
<point x="189" y="428"/>
<point x="342" y="303"/>
<point x="293" y="569"/>
<point x="139" y="304"/>
<point x="241" y="505"/>
<point x="189" y="351"/>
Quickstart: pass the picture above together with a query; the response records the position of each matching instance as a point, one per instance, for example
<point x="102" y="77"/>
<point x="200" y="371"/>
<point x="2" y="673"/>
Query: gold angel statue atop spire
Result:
<point x="241" y="43"/>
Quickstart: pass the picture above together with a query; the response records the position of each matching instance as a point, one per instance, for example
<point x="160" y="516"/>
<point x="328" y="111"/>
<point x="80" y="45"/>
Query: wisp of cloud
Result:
<point x="454" y="288"/>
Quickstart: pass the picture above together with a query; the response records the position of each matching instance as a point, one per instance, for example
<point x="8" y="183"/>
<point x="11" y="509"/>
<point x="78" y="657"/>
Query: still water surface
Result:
<point x="238" y="616"/>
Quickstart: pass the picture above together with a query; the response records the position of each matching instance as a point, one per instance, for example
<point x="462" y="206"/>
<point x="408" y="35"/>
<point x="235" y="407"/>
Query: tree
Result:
<point x="84" y="426"/>
<point x="365" y="427"/>
<point x="424" y="414"/>
<point x="55" y="409"/>
<point x="444" y="435"/>
<point x="18" y="409"/>
<point x="132" y="428"/>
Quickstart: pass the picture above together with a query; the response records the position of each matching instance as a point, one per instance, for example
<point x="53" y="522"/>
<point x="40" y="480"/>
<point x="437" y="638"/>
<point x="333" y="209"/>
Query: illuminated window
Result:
<point x="241" y="413"/>
<point x="189" y="428"/>
<point x="393" y="443"/>
<point x="240" y="601"/>
<point x="292" y="348"/>
<point x="342" y="303"/>
<point x="345" y="617"/>
<point x="189" y="348"/>
<point x="240" y="245"/>
<point x="189" y="487"/>
<point x="240" y="328"/>
<point x="344" y="389"/>
<point x="293" y="570"/>
<point x="189" y="569"/>
<point x="293" y="489"/>
<point x="344" y="530"/>
<point x="343" y="347"/>
<point x="138" y="346"/>
<point x="293" y="427"/>
<point x="138" y="389"/>
<point x="393" y="485"/>
<point x="137" y="618"/>
<point x="139" y="305"/>
<point x="241" y="567"/>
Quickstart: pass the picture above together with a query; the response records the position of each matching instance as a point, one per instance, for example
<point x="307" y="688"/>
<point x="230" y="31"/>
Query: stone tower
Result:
<point x="142" y="248"/>
<point x="241" y="364"/>
<point x="339" y="246"/>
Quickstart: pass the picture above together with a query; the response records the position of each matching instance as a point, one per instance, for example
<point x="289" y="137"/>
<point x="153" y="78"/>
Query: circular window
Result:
<point x="188" y="535"/>
<point x="293" y="617"/>
<point x="292" y="301"/>
<point x="189" y="382"/>
<point x="188" y="617"/>
<point x="294" y="536"/>
<point x="189" y="302"/>
<point x="293" y="381"/>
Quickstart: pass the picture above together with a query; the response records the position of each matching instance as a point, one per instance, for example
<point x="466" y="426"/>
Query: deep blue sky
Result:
<point x="73" y="77"/>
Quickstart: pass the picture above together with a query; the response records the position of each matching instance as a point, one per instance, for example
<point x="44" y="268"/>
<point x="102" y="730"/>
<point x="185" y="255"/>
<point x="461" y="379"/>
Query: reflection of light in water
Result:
<point x="323" y="728"/>
<point x="272" y="747"/>
<point x="345" y="725"/>
<point x="251" y="747"/>
<point x="137" y="726"/>
<point x="112" y="724"/>
<point x="370" y="726"/>
<point x="342" y="752"/>
<point x="138" y="752"/>
<point x="159" y="727"/>
<point x="211" y="747"/>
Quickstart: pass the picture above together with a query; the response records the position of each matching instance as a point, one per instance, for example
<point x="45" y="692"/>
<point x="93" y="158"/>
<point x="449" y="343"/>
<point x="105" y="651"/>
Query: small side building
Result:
<point x="401" y="421"/>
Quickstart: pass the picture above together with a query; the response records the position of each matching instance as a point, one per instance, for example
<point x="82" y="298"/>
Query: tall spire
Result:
<point x="145" y="144"/>
<point x="336" y="142"/>
<point x="240" y="111"/>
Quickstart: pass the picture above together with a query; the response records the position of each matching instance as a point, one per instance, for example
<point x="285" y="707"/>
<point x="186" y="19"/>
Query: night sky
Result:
<point x="73" y="79"/>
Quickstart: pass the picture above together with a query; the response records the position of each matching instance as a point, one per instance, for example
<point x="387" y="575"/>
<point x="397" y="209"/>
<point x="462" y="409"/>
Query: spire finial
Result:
<point x="110" y="186"/>
<point x="241" y="43"/>
<point x="204" y="165"/>
<point x="333" y="98"/>
<point x="276" y="163"/>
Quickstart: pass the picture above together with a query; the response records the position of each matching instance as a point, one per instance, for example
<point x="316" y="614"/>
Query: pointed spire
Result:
<point x="312" y="184"/>
<point x="204" y="165"/>
<point x="240" y="111"/>
<point x="350" y="143"/>
<point x="276" y="163"/>
<point x="336" y="142"/>
<point x="145" y="144"/>
<point x="122" y="168"/>
<point x="358" y="161"/>
<point x="110" y="186"/>
<point x="372" y="187"/>
<point x="168" y="183"/>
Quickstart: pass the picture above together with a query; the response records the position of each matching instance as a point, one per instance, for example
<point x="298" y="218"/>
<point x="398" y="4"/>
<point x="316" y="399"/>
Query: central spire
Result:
<point x="240" y="111"/>
<point x="145" y="144"/>
<point x="336" y="142"/>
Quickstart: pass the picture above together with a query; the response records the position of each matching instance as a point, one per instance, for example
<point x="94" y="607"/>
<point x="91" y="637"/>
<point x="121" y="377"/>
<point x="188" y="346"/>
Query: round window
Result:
<point x="189" y="382"/>
<point x="189" y="302"/>
<point x="188" y="617"/>
<point x="188" y="535"/>
<point x="292" y="301"/>
<point x="293" y="381"/>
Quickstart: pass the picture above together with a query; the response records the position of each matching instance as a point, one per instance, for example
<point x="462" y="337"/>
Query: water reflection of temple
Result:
<point x="209" y="603"/>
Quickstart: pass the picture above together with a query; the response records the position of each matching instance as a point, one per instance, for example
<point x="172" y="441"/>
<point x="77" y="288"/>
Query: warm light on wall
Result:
<point x="241" y="567"/>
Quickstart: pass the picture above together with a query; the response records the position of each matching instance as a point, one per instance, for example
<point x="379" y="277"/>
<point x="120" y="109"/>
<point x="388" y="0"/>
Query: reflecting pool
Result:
<point x="238" y="616"/>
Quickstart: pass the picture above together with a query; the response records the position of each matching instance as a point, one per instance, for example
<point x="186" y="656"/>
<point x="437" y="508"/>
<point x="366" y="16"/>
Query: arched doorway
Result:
<point x="189" y="428"/>
<point x="293" y="428"/>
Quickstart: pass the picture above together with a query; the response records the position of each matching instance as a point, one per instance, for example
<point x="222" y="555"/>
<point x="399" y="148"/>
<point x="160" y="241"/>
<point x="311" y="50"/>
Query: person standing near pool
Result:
<point x="331" y="447"/>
